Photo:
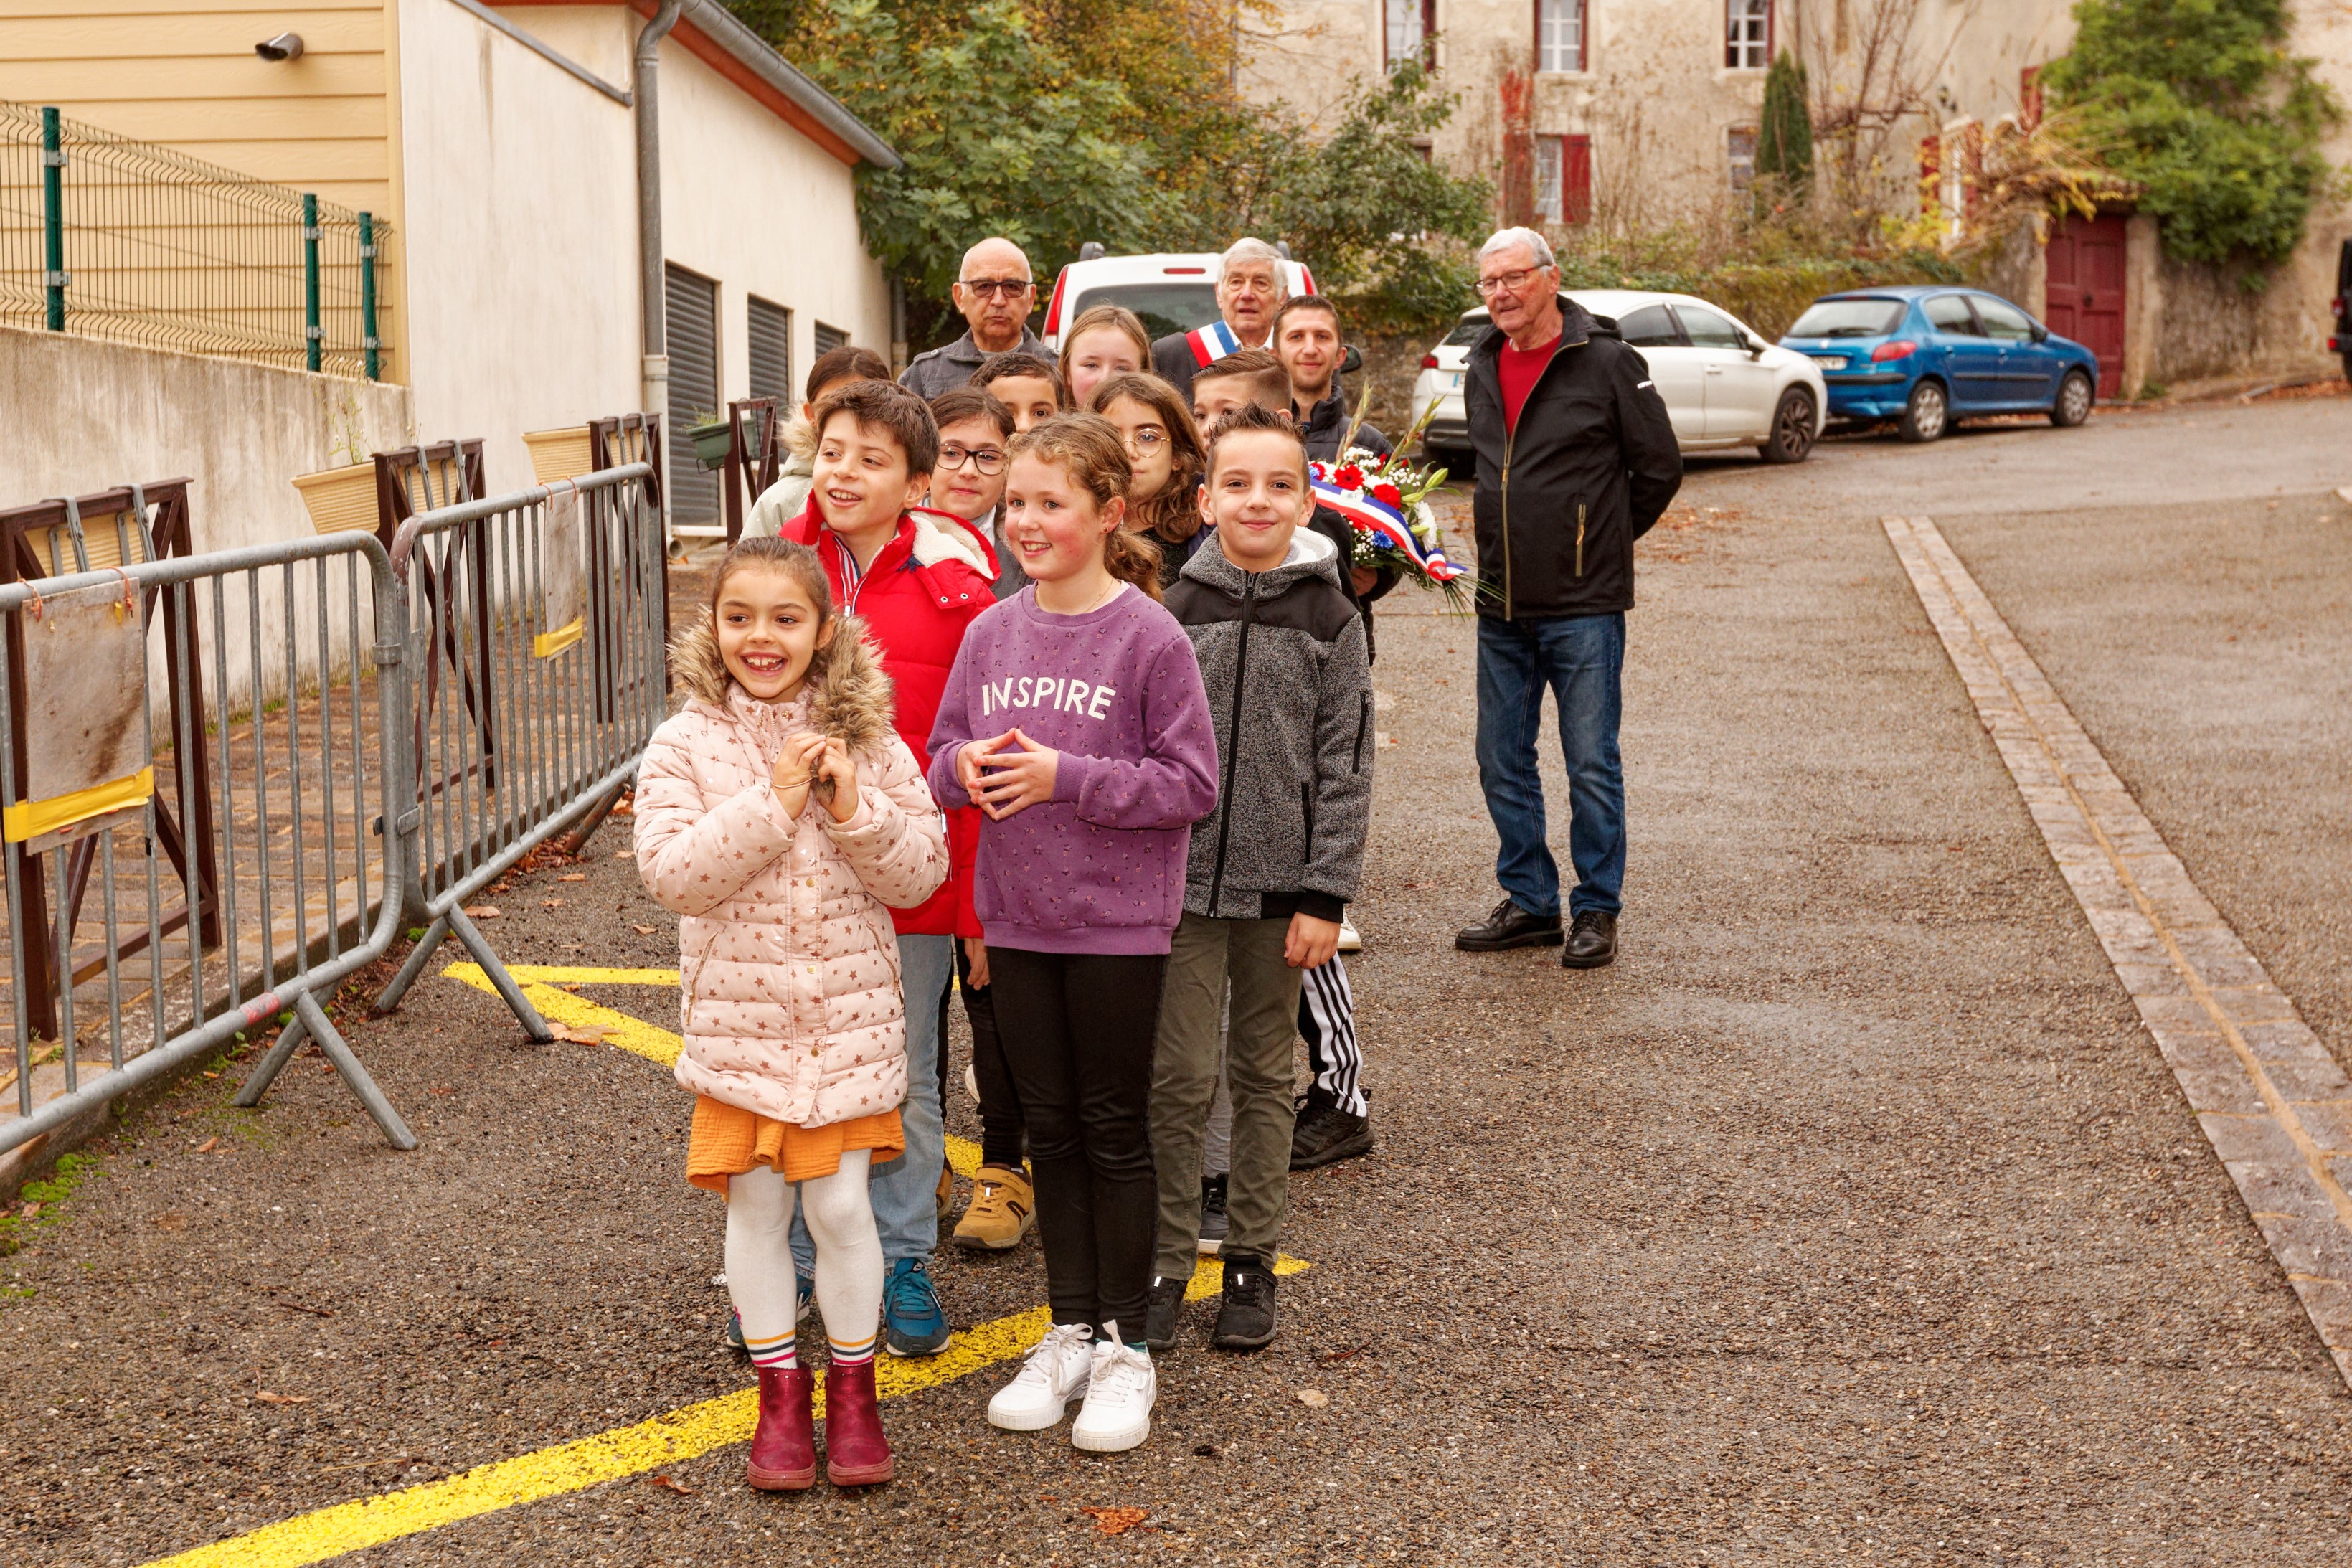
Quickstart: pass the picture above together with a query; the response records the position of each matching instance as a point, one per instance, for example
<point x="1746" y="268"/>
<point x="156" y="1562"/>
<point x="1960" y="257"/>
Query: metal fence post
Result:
<point x="313" y="337"/>
<point x="367" y="293"/>
<point x="53" y="217"/>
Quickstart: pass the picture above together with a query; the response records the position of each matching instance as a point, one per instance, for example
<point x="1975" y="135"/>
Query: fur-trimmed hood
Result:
<point x="850" y="698"/>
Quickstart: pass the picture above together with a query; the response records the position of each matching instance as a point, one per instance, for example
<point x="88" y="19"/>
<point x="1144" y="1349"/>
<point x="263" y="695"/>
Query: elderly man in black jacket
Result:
<point x="1576" y="460"/>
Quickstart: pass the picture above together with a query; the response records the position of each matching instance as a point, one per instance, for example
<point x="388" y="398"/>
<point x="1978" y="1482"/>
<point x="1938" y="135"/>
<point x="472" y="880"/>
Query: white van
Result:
<point x="1171" y="293"/>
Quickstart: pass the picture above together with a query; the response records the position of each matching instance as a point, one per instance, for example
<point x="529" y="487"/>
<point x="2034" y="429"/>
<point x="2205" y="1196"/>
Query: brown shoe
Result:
<point x="1004" y="1206"/>
<point x="857" y="1454"/>
<point x="946" y="1194"/>
<point x="783" y="1447"/>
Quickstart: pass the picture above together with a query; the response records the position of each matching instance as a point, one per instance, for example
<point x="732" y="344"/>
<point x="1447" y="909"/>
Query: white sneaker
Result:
<point x="1349" y="940"/>
<point x="971" y="1083"/>
<point x="1117" y="1414"/>
<point x="1056" y="1372"/>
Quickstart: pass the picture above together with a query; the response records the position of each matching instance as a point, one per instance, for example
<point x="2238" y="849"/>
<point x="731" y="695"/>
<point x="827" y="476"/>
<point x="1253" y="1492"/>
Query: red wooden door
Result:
<point x="2086" y="291"/>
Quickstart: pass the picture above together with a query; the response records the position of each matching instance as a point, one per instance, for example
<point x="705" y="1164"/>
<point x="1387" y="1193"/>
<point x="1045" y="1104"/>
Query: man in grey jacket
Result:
<point x="994" y="294"/>
<point x="1281" y="649"/>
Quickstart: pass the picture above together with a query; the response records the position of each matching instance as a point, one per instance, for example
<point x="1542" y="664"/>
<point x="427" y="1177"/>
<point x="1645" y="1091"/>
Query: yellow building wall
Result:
<point x="184" y="75"/>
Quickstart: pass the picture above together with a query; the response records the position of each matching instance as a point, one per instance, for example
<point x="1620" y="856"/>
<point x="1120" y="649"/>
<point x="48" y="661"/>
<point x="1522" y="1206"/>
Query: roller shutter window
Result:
<point x="769" y="359"/>
<point x="693" y="329"/>
<point x="829" y="338"/>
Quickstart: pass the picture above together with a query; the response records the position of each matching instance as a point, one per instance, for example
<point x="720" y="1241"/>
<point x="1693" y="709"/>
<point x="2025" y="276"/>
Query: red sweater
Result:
<point x="917" y="597"/>
<point x="1519" y="369"/>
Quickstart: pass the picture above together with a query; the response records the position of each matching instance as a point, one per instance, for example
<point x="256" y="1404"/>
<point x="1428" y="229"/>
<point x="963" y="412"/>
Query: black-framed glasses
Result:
<point x="1514" y="282"/>
<point x="1001" y="288"/>
<point x="987" y="460"/>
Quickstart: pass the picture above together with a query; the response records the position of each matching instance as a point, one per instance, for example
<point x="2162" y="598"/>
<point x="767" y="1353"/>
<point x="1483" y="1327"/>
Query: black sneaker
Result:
<point x="1213" y="1214"/>
<point x="1245" y="1316"/>
<point x="1325" y="1134"/>
<point x="1509" y="926"/>
<point x="1162" y="1311"/>
<point x="1591" y="942"/>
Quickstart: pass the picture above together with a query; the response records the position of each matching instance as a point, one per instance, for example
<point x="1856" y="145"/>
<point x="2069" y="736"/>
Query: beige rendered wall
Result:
<point x="751" y="202"/>
<point x="521" y="236"/>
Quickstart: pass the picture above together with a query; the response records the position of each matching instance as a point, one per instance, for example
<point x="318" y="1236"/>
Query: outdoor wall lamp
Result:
<point x="284" y="47"/>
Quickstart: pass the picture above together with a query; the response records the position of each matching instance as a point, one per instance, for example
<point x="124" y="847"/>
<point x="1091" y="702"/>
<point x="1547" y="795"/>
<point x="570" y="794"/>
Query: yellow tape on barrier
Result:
<point x="31" y="819"/>
<point x="547" y="645"/>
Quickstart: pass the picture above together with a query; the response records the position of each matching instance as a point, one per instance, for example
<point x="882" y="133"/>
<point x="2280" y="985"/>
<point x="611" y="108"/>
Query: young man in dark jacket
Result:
<point x="1307" y="342"/>
<point x="1576" y="460"/>
<point x="1271" y="869"/>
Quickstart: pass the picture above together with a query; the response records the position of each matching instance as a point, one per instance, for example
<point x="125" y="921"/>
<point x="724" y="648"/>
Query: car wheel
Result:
<point x="2073" y="404"/>
<point x="1928" y="415"/>
<point x="1792" y="436"/>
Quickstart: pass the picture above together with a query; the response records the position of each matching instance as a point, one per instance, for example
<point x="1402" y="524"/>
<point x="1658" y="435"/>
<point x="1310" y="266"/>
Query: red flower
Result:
<point x="1359" y="525"/>
<point x="1388" y="493"/>
<point x="1348" y="476"/>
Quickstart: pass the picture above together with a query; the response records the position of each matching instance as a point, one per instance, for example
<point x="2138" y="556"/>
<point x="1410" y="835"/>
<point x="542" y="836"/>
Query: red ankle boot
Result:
<point x="855" y="1452"/>
<point x="783" y="1448"/>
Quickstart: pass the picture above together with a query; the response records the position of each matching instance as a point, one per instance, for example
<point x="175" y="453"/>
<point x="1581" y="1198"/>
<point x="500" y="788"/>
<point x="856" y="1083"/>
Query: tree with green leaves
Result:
<point x="2200" y="105"/>
<point x="1784" y="142"/>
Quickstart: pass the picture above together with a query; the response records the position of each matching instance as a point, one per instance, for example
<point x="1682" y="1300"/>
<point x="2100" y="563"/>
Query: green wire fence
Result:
<point x="110" y="237"/>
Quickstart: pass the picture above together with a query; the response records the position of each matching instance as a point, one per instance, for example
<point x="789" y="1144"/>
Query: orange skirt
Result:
<point x="728" y="1139"/>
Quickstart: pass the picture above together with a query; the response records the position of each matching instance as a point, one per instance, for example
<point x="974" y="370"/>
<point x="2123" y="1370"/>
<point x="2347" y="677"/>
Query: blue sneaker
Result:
<point x="913" y="1322"/>
<point x="806" y="1294"/>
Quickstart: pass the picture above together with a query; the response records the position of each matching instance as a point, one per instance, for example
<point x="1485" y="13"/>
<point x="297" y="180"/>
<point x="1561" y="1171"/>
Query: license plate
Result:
<point x="1831" y="361"/>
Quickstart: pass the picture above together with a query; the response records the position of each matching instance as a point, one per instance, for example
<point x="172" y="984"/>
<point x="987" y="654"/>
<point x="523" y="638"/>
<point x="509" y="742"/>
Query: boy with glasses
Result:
<point x="994" y="294"/>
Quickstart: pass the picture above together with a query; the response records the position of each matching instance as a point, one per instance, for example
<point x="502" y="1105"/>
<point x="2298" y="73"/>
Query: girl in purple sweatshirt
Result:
<point x="1075" y="719"/>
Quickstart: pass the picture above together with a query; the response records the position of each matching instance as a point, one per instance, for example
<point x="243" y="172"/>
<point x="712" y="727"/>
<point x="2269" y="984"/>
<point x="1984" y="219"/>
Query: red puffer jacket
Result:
<point x="916" y="598"/>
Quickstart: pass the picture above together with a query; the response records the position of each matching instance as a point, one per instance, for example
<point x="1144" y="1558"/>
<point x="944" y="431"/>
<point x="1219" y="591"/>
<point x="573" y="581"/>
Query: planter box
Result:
<point x="711" y="442"/>
<point x="558" y="453"/>
<point x="340" y="500"/>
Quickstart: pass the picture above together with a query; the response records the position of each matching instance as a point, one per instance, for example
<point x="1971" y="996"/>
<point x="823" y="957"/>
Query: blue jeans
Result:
<point x="1581" y="658"/>
<point x="906" y="1190"/>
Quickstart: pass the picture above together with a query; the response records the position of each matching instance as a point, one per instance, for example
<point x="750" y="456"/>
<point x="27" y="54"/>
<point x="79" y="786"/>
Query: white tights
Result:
<point x="760" y="1275"/>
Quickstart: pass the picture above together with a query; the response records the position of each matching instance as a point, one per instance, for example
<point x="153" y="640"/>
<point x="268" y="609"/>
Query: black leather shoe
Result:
<point x="1592" y="941"/>
<point x="1509" y="926"/>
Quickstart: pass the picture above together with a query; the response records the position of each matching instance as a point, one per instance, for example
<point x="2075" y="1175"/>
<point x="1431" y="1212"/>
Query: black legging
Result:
<point x="1000" y="1105"/>
<point x="1077" y="1036"/>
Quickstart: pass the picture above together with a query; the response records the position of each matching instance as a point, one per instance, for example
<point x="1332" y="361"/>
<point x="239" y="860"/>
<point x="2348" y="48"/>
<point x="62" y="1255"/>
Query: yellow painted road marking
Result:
<point x="565" y="975"/>
<point x="625" y="1451"/>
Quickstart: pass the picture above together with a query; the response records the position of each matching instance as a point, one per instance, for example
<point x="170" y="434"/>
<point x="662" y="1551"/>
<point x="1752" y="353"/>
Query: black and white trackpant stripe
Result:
<point x="1327" y="1018"/>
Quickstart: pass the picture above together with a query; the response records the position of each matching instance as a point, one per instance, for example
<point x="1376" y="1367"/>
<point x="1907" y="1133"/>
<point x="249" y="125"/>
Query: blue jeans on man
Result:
<point x="1581" y="658"/>
<point x="905" y="1191"/>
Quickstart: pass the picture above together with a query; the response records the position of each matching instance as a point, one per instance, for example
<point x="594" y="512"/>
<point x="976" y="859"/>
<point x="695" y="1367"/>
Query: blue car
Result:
<point x="1928" y="354"/>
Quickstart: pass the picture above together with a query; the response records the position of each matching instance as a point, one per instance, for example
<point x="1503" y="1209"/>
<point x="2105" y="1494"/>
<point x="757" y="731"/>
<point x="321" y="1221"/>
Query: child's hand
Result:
<point x="1017" y="777"/>
<point x="968" y="757"/>
<point x="1310" y="942"/>
<point x="837" y="768"/>
<point x="975" y="952"/>
<point x="795" y="767"/>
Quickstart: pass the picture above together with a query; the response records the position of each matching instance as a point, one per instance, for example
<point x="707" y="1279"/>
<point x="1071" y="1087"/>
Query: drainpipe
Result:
<point x="650" y="290"/>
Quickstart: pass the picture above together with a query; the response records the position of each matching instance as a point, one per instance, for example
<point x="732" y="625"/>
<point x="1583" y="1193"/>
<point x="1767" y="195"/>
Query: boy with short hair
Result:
<point x="918" y="578"/>
<point x="782" y="502"/>
<point x="1271" y="870"/>
<point x="1334" y="1122"/>
<point x="1032" y="388"/>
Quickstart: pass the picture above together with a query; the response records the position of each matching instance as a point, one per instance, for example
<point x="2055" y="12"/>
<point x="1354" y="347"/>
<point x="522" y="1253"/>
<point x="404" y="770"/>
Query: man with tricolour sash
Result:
<point x="1251" y="287"/>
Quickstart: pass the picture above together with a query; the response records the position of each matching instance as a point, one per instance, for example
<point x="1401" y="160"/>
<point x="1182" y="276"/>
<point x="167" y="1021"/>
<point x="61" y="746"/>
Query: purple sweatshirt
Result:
<point x="1117" y="692"/>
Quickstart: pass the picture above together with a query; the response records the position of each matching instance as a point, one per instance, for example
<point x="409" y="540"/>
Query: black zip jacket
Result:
<point x="1593" y="463"/>
<point x="1328" y="421"/>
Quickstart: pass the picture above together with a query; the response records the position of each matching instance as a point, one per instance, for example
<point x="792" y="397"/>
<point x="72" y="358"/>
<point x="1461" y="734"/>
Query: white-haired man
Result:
<point x="1576" y="460"/>
<point x="994" y="293"/>
<point x="1251" y="286"/>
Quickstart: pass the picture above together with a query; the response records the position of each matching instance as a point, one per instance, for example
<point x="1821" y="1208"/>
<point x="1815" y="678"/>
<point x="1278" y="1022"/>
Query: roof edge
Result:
<point x="757" y="56"/>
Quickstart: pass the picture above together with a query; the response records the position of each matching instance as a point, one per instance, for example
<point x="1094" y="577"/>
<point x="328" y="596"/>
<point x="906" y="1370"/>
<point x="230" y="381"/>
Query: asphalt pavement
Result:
<point x="1851" y="1216"/>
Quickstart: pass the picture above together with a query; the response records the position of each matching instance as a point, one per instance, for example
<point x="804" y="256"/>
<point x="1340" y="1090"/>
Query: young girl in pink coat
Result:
<point x="779" y="814"/>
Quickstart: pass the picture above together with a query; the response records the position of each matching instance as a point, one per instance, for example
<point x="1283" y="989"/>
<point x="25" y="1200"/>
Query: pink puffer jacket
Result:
<point x="787" y="959"/>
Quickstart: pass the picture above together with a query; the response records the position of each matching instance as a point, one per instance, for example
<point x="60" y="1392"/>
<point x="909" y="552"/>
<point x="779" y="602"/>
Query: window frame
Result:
<point x="1735" y="12"/>
<point x="1583" y="10"/>
<point x="1426" y="12"/>
<point x="1732" y="161"/>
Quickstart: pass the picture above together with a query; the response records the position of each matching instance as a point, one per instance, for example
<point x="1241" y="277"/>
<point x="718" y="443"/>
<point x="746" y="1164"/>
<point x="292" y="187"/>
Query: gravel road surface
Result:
<point x="1851" y="1216"/>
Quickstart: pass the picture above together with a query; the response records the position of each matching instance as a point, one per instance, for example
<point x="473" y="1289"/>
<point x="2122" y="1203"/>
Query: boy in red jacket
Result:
<point x="918" y="578"/>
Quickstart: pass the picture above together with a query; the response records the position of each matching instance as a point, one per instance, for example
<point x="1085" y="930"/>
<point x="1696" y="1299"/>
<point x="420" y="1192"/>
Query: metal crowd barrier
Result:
<point x="539" y="634"/>
<point x="253" y="701"/>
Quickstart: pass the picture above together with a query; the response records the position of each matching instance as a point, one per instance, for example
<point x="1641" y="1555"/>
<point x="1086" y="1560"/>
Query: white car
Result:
<point x="1723" y="385"/>
<point x="1171" y="292"/>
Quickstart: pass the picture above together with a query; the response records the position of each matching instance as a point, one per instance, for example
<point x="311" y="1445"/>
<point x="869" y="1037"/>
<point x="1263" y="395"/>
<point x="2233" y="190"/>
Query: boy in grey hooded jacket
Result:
<point x="1270" y="872"/>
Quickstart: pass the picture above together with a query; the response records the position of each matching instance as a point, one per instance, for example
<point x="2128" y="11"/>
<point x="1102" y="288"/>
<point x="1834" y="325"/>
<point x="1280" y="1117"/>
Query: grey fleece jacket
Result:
<point x="1282" y="655"/>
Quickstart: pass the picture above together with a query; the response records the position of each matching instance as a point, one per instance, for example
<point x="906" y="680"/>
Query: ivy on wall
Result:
<point x="2199" y="103"/>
